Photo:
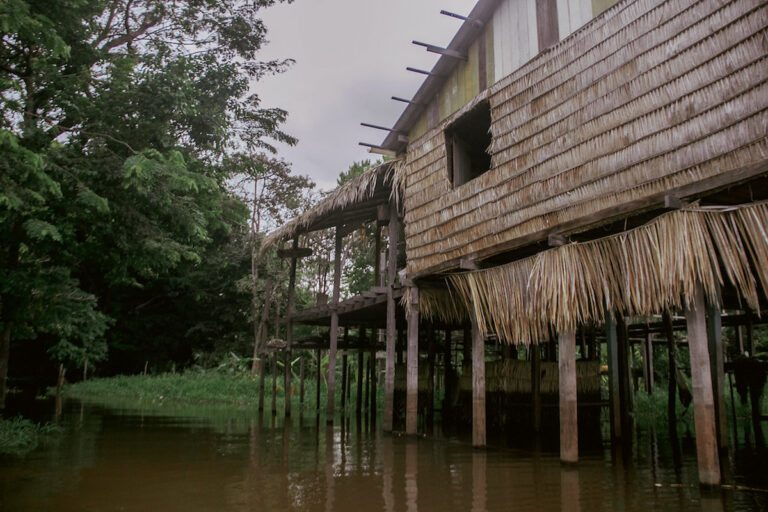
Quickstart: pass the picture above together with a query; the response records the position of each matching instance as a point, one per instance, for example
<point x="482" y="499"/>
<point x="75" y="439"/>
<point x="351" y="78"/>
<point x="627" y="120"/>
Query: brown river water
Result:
<point x="111" y="459"/>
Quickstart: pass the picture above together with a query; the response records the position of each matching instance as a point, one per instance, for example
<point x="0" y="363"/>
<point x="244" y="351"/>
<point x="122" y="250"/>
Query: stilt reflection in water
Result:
<point x="479" y="481"/>
<point x="411" y="476"/>
<point x="570" y="499"/>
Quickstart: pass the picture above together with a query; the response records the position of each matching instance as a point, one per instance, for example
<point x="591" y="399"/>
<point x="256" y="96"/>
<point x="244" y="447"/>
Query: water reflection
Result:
<point x="127" y="460"/>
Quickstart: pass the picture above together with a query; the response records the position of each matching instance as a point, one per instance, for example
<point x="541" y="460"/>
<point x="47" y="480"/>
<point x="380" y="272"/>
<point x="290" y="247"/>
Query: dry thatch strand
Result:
<point x="359" y="189"/>
<point x="438" y="304"/>
<point x="640" y="272"/>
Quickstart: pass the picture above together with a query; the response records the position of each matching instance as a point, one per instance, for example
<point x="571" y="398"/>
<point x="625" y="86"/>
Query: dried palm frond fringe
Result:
<point x="640" y="272"/>
<point x="359" y="189"/>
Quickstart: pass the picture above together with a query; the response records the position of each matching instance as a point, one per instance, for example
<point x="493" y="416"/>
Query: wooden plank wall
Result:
<point x="514" y="35"/>
<point x="572" y="15"/>
<point x="651" y="96"/>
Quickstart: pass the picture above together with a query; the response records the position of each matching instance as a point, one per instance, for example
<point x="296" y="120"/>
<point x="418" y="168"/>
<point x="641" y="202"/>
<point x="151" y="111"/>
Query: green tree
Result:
<point x="116" y="119"/>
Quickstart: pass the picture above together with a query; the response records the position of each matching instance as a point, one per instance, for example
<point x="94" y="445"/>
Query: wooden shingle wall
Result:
<point x="651" y="96"/>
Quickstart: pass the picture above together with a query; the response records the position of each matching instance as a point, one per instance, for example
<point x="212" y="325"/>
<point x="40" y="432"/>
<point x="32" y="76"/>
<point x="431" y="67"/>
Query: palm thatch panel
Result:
<point x="389" y="174"/>
<point x="649" y="97"/>
<point x="641" y="272"/>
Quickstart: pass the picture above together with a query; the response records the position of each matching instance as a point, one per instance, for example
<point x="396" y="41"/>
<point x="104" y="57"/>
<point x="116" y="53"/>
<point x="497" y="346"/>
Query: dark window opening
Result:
<point x="467" y="142"/>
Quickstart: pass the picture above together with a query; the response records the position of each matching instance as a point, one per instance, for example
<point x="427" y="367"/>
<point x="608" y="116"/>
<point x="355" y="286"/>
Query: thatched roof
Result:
<point x="641" y="272"/>
<point x="359" y="196"/>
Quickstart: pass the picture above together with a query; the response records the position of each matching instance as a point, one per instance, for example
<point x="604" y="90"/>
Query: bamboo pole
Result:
<point x="372" y="381"/>
<point x="478" y="386"/>
<point x="412" y="369"/>
<point x="569" y="429"/>
<point x="334" y="326"/>
<point x="703" y="400"/>
<point x="389" y="368"/>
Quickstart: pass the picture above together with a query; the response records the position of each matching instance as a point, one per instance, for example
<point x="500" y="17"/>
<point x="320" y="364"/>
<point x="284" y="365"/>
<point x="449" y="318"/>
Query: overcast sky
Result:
<point x="350" y="59"/>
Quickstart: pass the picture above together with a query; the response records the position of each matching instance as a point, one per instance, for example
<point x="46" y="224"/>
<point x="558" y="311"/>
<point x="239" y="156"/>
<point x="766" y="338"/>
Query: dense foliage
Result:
<point x="124" y="125"/>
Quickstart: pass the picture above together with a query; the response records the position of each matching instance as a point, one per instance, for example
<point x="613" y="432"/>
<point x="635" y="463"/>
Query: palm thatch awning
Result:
<point x="640" y="272"/>
<point x="355" y="201"/>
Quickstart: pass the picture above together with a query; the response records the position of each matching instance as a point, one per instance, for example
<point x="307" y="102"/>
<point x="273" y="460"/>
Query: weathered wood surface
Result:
<point x="412" y="369"/>
<point x="478" y="386"/>
<point x="703" y="399"/>
<point x="614" y="395"/>
<point x="334" y="334"/>
<point x="389" y="369"/>
<point x="717" y="358"/>
<point x="569" y="428"/>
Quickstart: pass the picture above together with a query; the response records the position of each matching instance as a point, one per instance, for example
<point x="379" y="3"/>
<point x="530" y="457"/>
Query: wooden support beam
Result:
<point x="301" y="382"/>
<point x="262" y="367"/>
<point x="614" y="395"/>
<point x="373" y="148"/>
<point x="648" y="363"/>
<point x="441" y="51"/>
<point x="468" y="264"/>
<point x="317" y="383"/>
<point x="359" y="394"/>
<point x="536" y="386"/>
<point x="289" y="325"/>
<point x="717" y="358"/>
<point x="412" y="365"/>
<point x="625" y="374"/>
<point x="546" y="23"/>
<point x="372" y="381"/>
<point x="391" y="336"/>
<point x="294" y="252"/>
<point x="556" y="240"/>
<point x="334" y="334"/>
<point x="474" y="21"/>
<point x="703" y="399"/>
<point x="478" y="386"/>
<point x="274" y="384"/>
<point x="672" y="202"/>
<point x="569" y="428"/>
<point x="403" y="100"/>
<point x="344" y="380"/>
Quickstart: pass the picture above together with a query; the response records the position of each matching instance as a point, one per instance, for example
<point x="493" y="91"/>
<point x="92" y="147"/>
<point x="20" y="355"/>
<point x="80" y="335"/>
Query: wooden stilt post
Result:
<point x="669" y="332"/>
<point x="274" y="383"/>
<point x="360" y="361"/>
<point x="536" y="385"/>
<point x="334" y="327"/>
<point x="624" y="350"/>
<point x="344" y="379"/>
<point x="301" y="382"/>
<point x="478" y="385"/>
<point x="389" y="368"/>
<point x="649" y="363"/>
<point x="412" y="369"/>
<point x="431" y="348"/>
<point x="262" y="368"/>
<point x="447" y="372"/>
<point x="611" y="340"/>
<point x="289" y="327"/>
<point x="317" y="381"/>
<point x="373" y="382"/>
<point x="569" y="429"/>
<point x="703" y="400"/>
<point x="716" y="356"/>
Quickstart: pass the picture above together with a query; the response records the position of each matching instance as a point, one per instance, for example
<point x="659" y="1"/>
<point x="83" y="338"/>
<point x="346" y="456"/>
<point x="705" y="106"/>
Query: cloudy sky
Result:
<point x="350" y="59"/>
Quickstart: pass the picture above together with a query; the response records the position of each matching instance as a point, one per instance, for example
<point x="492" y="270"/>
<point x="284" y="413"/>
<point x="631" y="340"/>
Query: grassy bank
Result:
<point x="19" y="436"/>
<point x="199" y="388"/>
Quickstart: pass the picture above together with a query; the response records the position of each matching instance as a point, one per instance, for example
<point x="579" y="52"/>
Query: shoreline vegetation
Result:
<point x="19" y="436"/>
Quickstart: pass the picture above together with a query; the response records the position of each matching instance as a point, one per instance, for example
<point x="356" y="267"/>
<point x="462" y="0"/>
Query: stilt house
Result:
<point x="570" y="166"/>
